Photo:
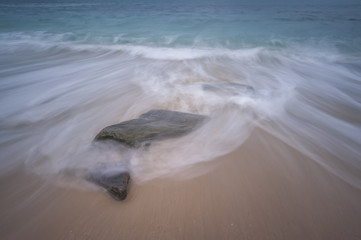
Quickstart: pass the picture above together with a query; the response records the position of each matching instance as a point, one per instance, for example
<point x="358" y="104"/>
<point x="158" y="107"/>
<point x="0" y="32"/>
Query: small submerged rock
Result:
<point x="229" y="88"/>
<point x="115" y="182"/>
<point x="151" y="126"/>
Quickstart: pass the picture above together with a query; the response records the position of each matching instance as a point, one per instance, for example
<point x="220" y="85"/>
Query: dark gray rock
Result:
<point x="151" y="126"/>
<point x="115" y="182"/>
<point x="228" y="88"/>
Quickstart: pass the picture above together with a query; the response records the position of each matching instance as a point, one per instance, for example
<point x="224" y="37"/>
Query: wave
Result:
<point x="41" y="41"/>
<point x="165" y="49"/>
<point x="56" y="95"/>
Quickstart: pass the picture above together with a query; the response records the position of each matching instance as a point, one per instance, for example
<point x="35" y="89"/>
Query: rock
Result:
<point x="114" y="181"/>
<point x="151" y="126"/>
<point x="148" y="127"/>
<point x="228" y="88"/>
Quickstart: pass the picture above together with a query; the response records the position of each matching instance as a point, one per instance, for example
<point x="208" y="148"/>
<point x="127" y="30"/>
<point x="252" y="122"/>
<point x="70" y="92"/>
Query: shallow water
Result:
<point x="68" y="70"/>
<point x="55" y="100"/>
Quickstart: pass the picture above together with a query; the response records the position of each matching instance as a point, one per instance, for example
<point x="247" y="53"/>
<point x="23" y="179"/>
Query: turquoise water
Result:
<point x="69" y="69"/>
<point x="172" y="24"/>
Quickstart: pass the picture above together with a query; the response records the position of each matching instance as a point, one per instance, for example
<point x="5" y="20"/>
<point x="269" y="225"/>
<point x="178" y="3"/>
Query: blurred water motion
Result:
<point x="280" y="157"/>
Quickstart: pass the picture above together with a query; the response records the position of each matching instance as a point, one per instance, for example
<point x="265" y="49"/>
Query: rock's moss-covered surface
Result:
<point x="151" y="126"/>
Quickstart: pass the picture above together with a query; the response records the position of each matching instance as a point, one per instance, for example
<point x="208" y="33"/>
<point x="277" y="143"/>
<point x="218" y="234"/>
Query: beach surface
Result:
<point x="254" y="192"/>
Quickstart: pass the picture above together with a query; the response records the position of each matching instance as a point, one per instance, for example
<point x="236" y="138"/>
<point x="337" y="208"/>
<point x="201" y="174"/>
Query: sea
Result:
<point x="70" y="68"/>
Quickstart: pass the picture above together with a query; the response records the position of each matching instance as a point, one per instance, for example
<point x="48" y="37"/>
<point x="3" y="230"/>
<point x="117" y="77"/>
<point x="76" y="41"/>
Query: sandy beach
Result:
<point x="255" y="192"/>
<point x="264" y="139"/>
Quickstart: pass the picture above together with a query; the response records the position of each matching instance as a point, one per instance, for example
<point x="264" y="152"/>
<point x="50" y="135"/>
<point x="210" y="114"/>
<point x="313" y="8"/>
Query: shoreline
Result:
<point x="251" y="193"/>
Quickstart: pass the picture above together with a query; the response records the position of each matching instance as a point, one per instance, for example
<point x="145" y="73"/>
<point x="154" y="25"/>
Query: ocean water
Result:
<point x="70" y="68"/>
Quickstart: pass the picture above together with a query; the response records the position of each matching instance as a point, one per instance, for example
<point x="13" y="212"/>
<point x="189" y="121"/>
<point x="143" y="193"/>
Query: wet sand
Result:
<point x="263" y="190"/>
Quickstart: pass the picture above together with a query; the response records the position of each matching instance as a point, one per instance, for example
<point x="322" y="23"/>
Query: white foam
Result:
<point x="45" y="41"/>
<point x="53" y="105"/>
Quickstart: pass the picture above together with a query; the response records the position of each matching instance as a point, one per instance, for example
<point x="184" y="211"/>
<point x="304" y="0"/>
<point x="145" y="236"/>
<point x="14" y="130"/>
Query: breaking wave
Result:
<point x="57" y="95"/>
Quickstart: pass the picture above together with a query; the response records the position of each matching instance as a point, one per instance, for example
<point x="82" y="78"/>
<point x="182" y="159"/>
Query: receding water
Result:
<point x="69" y="69"/>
